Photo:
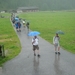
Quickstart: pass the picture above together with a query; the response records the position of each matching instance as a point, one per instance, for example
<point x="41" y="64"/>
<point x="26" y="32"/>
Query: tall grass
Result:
<point x="49" y="22"/>
<point x="9" y="39"/>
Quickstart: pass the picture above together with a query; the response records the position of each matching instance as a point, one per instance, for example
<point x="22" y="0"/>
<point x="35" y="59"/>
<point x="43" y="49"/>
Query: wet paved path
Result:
<point x="48" y="64"/>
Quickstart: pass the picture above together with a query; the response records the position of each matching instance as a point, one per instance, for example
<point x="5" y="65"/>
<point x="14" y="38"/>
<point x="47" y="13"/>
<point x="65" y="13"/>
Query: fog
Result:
<point x="41" y="4"/>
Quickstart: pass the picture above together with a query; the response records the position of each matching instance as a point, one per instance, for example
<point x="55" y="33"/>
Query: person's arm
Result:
<point x="33" y="40"/>
<point x="53" y="40"/>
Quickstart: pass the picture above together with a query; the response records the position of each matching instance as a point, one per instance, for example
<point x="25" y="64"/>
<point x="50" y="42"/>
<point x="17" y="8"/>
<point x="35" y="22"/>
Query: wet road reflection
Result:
<point x="36" y="65"/>
<point x="57" y="69"/>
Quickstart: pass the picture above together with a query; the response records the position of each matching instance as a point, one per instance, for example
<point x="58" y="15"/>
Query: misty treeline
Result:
<point x="41" y="4"/>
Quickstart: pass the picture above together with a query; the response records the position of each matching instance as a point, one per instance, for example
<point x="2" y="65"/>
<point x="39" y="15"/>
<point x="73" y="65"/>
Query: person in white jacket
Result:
<point x="24" y="23"/>
<point x="35" y="42"/>
<point x="56" y="43"/>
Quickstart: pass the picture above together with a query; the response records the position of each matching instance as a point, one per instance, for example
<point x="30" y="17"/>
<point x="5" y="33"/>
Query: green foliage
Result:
<point x="9" y="39"/>
<point x="49" y="22"/>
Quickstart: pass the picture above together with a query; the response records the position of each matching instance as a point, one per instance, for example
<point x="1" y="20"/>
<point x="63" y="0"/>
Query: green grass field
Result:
<point x="6" y="15"/>
<point x="9" y="39"/>
<point x="49" y="22"/>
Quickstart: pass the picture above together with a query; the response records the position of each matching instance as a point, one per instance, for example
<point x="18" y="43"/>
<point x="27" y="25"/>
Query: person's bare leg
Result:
<point x="55" y="49"/>
<point x="38" y="53"/>
<point x="58" y="50"/>
<point x="34" y="52"/>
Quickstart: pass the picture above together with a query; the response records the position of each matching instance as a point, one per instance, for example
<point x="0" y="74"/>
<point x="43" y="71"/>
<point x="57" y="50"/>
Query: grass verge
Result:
<point x="49" y="22"/>
<point x="9" y="39"/>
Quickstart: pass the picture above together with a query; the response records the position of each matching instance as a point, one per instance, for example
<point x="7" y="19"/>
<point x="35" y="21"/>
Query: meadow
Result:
<point x="47" y="23"/>
<point x="9" y="39"/>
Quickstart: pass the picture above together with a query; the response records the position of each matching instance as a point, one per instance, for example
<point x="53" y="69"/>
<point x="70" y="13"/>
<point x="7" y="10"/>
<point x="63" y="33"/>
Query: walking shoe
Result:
<point x="55" y="52"/>
<point x="19" y="30"/>
<point x="34" y="54"/>
<point x="58" y="52"/>
<point x="38" y="55"/>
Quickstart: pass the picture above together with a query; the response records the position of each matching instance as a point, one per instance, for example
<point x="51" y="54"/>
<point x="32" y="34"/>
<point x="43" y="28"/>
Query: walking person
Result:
<point x="24" y="23"/>
<point x="16" y="25"/>
<point x="19" y="26"/>
<point x="35" y="42"/>
<point x="56" y="39"/>
<point x="27" y="24"/>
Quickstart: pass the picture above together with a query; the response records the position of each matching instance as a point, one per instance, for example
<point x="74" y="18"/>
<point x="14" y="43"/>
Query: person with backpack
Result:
<point x="35" y="42"/>
<point x="56" y="43"/>
<point x="27" y="24"/>
<point x="16" y="25"/>
<point x="24" y="23"/>
<point x="19" y="26"/>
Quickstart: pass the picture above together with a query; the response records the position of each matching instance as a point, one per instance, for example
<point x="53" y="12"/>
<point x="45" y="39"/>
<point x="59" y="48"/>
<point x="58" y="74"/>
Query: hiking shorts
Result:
<point x="56" y="44"/>
<point x="35" y="47"/>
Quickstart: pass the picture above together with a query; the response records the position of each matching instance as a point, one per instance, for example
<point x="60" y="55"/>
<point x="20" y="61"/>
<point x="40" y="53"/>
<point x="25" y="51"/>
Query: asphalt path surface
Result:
<point x="48" y="63"/>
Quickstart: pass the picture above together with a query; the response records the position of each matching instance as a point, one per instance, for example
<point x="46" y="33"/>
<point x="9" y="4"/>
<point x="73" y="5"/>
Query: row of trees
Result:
<point x="41" y="4"/>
